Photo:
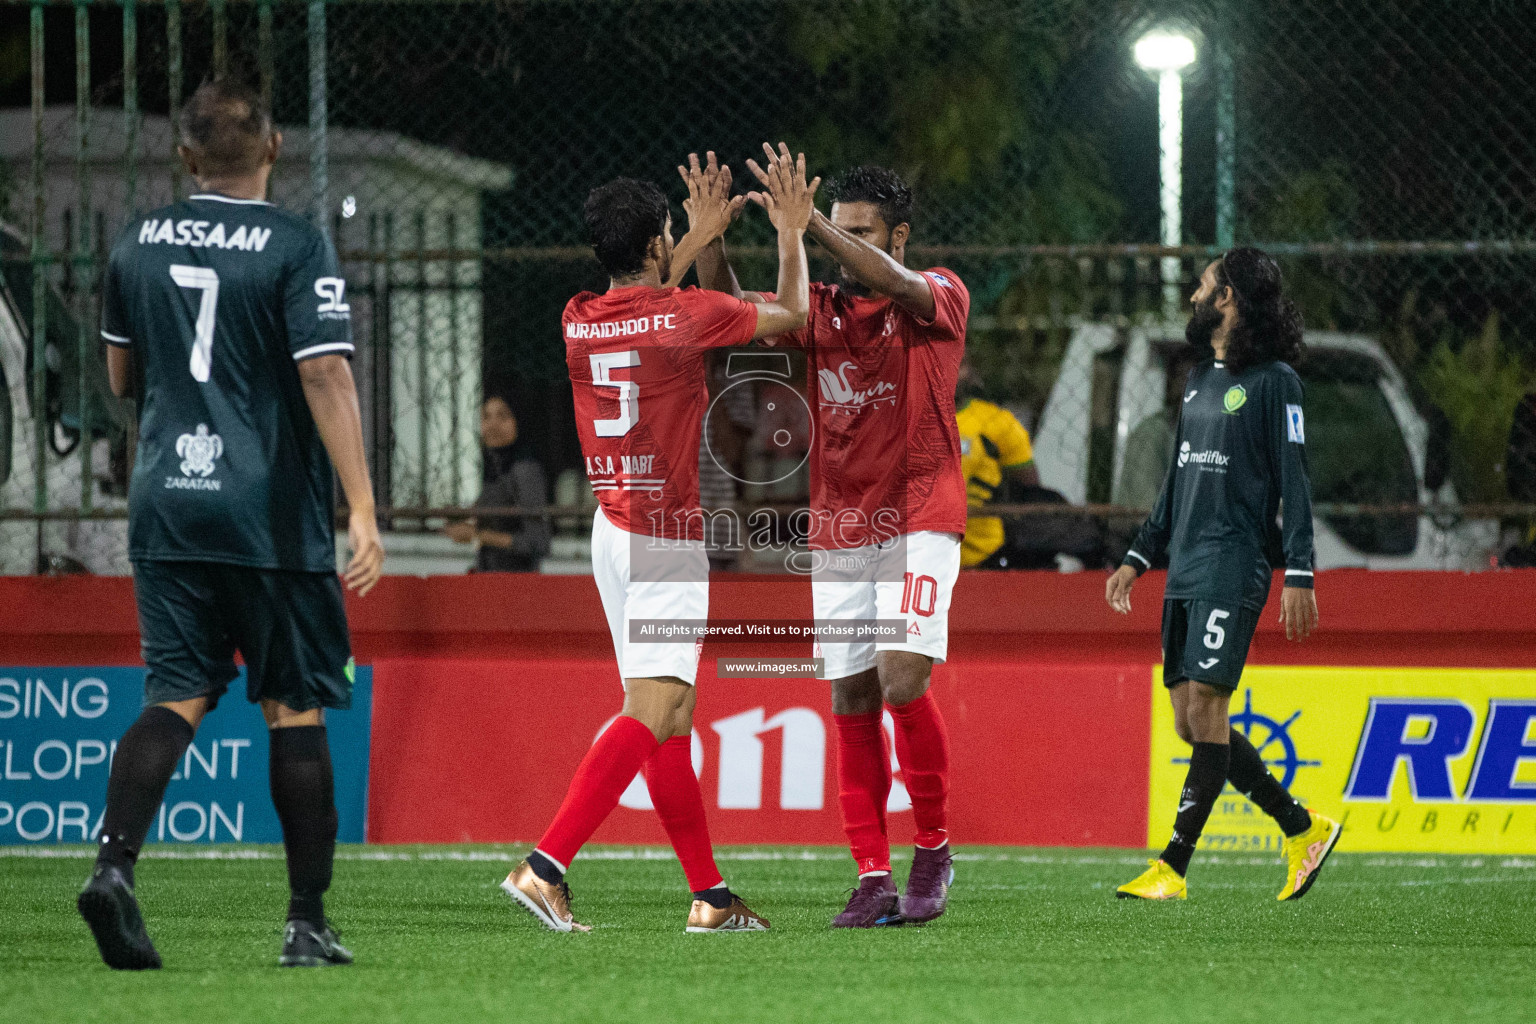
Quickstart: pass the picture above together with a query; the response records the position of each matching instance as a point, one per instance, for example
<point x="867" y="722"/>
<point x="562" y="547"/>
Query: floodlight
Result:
<point x="1165" y="51"/>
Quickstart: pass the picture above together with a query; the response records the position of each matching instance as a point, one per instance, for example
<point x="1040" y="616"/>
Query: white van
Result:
<point x="1106" y="435"/>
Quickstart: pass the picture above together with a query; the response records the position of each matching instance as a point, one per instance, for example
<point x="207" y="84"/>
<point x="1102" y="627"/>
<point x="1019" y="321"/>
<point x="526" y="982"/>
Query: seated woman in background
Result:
<point x="512" y="478"/>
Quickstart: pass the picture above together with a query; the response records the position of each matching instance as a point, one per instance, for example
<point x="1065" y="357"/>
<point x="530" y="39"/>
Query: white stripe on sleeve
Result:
<point x="320" y="350"/>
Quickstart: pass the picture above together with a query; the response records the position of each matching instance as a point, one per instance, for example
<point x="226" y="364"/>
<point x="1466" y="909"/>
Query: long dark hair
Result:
<point x="1268" y="324"/>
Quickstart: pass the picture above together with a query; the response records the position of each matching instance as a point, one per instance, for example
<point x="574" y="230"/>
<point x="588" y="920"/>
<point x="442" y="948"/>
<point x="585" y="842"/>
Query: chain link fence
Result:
<point x="1385" y="152"/>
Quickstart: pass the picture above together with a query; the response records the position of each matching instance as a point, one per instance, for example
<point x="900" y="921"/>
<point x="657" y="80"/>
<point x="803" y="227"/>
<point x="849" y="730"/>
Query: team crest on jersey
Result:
<point x="198" y="451"/>
<point x="1235" y="398"/>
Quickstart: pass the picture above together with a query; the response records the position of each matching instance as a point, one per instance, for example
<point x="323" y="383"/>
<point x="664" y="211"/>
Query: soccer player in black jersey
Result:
<point x="228" y="318"/>
<point x="1240" y="459"/>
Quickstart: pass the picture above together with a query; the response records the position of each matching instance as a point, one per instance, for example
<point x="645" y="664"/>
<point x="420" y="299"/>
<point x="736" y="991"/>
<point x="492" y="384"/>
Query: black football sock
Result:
<point x="303" y="791"/>
<point x="146" y="759"/>
<point x="1250" y="778"/>
<point x="546" y="869"/>
<point x="719" y="897"/>
<point x="1207" y="775"/>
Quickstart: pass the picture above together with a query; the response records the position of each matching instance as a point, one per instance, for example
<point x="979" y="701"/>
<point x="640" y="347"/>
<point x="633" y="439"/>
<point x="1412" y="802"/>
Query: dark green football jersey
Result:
<point x="1240" y="453"/>
<point x="219" y="299"/>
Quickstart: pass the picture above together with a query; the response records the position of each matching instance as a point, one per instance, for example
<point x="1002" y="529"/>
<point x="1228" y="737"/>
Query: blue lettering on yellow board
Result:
<point x="1388" y="738"/>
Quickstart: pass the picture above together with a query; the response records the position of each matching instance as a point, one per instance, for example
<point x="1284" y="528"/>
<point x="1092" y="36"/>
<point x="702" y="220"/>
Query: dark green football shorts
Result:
<point x="1206" y="641"/>
<point x="290" y="627"/>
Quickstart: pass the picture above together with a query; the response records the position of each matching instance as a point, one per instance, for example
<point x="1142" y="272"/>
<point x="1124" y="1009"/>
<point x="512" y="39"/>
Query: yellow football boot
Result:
<point x="1305" y="854"/>
<point x="1158" y="882"/>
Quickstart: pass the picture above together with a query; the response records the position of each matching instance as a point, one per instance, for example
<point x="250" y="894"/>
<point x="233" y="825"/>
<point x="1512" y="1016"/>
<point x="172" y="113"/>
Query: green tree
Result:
<point x="956" y="96"/>
<point x="1477" y="386"/>
<point x="1314" y="205"/>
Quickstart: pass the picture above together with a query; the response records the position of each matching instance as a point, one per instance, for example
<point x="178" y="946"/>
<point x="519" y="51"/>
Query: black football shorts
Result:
<point x="290" y="627"/>
<point x="1206" y="641"/>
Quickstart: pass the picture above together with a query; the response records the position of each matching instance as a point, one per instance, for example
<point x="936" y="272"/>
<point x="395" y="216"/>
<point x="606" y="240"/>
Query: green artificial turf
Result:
<point x="1031" y="935"/>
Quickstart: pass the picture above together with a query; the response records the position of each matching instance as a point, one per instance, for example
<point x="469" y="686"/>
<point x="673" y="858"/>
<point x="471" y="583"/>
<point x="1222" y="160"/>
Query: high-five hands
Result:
<point x="710" y="206"/>
<point x="790" y="202"/>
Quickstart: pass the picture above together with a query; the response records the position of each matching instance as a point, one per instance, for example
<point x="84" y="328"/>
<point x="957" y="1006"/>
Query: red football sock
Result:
<point x="595" y="790"/>
<point x="863" y="784"/>
<point x="922" y="746"/>
<point x="680" y="805"/>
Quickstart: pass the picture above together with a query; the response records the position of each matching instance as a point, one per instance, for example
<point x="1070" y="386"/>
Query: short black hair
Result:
<point x="227" y="125"/>
<point x="879" y="185"/>
<point x="622" y="218"/>
<point x="1269" y="325"/>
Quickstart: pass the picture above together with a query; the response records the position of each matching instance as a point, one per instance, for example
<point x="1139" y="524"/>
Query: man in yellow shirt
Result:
<point x="994" y="452"/>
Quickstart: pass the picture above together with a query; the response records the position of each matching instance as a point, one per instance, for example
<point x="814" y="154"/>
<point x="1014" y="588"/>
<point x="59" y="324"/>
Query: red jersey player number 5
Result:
<point x="640" y="396"/>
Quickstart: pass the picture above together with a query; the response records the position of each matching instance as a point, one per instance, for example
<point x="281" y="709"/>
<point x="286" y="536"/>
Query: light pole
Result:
<point x="1166" y="54"/>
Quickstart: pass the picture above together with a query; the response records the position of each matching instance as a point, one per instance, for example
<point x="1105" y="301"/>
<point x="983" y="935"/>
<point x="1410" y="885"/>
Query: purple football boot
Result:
<point x="927" y="886"/>
<point x="872" y="904"/>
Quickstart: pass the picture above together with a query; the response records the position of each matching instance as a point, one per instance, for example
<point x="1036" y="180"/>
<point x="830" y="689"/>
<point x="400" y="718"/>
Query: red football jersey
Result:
<point x="886" y="458"/>
<point x="636" y="357"/>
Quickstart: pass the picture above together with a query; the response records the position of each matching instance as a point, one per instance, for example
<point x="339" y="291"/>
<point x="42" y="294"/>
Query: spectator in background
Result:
<point x="1148" y="450"/>
<point x="511" y="478"/>
<point x="996" y="460"/>
<point x="1149" y="447"/>
<point x="1520" y="474"/>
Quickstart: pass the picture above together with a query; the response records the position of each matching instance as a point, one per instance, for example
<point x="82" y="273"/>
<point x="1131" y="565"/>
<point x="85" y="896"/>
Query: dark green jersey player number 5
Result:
<point x="1239" y="460"/>
<point x="218" y="298"/>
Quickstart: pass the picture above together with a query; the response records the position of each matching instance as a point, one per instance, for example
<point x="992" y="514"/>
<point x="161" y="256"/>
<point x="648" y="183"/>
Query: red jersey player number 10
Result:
<point x="638" y="381"/>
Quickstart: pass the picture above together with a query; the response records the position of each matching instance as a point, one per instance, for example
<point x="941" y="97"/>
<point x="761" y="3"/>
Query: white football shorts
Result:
<point x="910" y="578"/>
<point x="676" y="586"/>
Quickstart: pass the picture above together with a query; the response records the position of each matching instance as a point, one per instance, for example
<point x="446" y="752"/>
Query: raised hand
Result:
<point x="709" y="205"/>
<point x="790" y="202"/>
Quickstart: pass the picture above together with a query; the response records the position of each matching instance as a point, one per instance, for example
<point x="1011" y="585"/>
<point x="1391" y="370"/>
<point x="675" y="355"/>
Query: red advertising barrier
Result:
<point x="481" y="751"/>
<point x="1485" y="619"/>
<point x="488" y="689"/>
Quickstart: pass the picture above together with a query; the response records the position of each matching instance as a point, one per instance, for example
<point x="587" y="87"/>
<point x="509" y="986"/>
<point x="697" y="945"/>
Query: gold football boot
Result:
<point x="738" y="917"/>
<point x="549" y="904"/>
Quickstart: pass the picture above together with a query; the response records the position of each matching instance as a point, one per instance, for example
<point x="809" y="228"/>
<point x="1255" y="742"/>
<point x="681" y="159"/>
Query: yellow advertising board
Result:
<point x="1410" y="759"/>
